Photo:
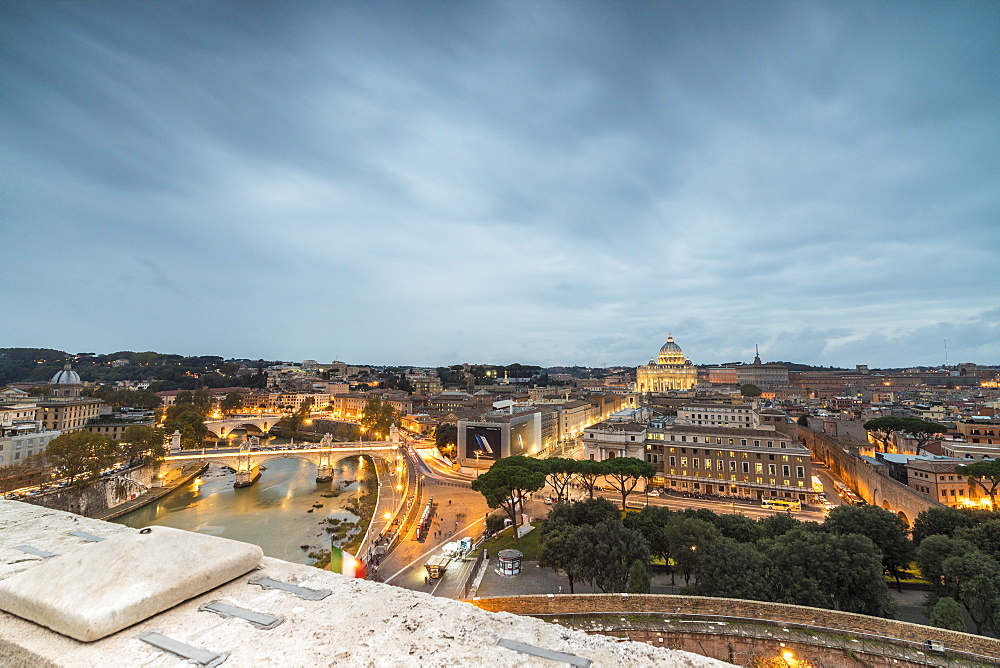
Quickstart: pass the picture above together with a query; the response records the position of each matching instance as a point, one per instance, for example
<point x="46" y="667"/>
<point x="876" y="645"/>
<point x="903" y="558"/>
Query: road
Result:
<point x="460" y="512"/>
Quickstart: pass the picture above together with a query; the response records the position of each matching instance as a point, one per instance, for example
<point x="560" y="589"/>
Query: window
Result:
<point x="695" y="463"/>
<point x="673" y="460"/>
<point x="746" y="467"/>
<point x="743" y="441"/>
<point x="800" y="471"/>
<point x="771" y="469"/>
<point x="708" y="464"/>
<point x="720" y="465"/>
<point x="758" y="468"/>
<point x="785" y="470"/>
<point x="684" y="461"/>
<point x="732" y="466"/>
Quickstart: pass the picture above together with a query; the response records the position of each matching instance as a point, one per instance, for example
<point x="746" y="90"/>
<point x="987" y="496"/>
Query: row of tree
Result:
<point x="777" y="559"/>
<point x="840" y="564"/>
<point x="81" y="456"/>
<point x="510" y="479"/>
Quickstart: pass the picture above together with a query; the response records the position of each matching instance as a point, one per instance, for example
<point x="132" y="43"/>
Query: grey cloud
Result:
<point x="549" y="182"/>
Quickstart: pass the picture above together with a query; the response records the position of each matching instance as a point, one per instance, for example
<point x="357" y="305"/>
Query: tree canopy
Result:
<point x="886" y="529"/>
<point x="378" y="418"/>
<point x="81" y="455"/>
<point x="506" y="482"/>
<point x="624" y="473"/>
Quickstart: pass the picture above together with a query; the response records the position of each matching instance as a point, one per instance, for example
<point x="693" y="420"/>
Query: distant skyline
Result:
<point x="552" y="183"/>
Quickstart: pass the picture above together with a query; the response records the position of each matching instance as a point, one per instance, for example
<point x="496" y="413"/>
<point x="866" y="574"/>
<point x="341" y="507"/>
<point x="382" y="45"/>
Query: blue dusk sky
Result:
<point x="553" y="183"/>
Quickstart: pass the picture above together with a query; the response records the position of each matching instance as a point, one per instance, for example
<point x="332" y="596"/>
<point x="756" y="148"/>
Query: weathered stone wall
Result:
<point x="759" y="611"/>
<point x="876" y="489"/>
<point x="99" y="496"/>
<point x="748" y="651"/>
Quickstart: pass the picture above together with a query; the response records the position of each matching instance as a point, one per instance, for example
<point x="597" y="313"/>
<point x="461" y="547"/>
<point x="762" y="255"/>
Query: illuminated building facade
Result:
<point x="671" y="370"/>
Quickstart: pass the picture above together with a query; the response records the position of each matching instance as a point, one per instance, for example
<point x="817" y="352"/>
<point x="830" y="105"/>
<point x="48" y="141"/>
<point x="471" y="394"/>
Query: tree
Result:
<point x="976" y="578"/>
<point x="378" y="418"/>
<point x="191" y="424"/>
<point x="614" y="549"/>
<point x="506" y="482"/>
<point x="986" y="474"/>
<point x="883" y="527"/>
<point x="940" y="521"/>
<point x="568" y="548"/>
<point x="930" y="556"/>
<point x="624" y="473"/>
<point x="560" y="475"/>
<point x="81" y="454"/>
<point x="803" y="420"/>
<point x="731" y="569"/>
<point x="446" y="437"/>
<point x="591" y="511"/>
<point x="740" y="528"/>
<point x="231" y="403"/>
<point x="882" y="429"/>
<point x="652" y="522"/>
<point x="750" y="390"/>
<point x="922" y="431"/>
<point x="687" y="535"/>
<point x="778" y="525"/>
<point x="639" y="578"/>
<point x="947" y="614"/>
<point x="828" y="570"/>
<point x="985" y="536"/>
<point x="588" y="472"/>
<point x="141" y="444"/>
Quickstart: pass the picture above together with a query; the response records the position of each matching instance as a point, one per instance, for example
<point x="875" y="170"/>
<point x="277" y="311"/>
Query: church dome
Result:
<point x="670" y="353"/>
<point x="66" y="377"/>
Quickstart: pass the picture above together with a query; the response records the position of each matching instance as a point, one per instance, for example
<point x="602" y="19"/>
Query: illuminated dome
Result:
<point x="66" y="377"/>
<point x="670" y="353"/>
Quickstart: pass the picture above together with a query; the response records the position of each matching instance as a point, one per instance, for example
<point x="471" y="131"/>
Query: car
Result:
<point x="653" y="492"/>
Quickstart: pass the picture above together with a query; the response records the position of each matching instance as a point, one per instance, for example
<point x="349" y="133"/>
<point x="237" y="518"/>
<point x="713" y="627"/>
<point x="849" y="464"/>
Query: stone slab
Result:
<point x="93" y="592"/>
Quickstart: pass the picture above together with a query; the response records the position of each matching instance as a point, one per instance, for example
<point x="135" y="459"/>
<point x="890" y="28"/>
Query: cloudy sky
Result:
<point x="542" y="182"/>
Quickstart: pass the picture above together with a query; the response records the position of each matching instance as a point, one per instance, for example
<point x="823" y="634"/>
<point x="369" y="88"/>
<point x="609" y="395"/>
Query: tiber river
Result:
<point x="274" y="512"/>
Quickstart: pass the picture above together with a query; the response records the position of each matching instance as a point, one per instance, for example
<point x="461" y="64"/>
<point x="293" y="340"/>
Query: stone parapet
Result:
<point x="727" y="609"/>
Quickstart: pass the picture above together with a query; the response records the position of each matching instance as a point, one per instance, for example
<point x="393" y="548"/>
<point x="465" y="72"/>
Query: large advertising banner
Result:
<point x="521" y="437"/>
<point x="482" y="441"/>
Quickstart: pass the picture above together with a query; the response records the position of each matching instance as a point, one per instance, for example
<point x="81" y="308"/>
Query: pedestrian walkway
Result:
<point x="188" y="473"/>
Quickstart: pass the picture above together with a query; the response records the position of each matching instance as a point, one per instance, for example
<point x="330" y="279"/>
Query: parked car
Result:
<point x="654" y="492"/>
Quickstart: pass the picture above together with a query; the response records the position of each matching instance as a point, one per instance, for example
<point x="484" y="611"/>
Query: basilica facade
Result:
<point x="671" y="370"/>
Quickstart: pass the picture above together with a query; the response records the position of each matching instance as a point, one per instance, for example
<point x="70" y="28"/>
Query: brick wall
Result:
<point x="875" y="489"/>
<point x="843" y="622"/>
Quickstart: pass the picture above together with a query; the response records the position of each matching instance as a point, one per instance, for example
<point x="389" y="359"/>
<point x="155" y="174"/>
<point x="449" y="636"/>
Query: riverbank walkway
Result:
<point x="188" y="473"/>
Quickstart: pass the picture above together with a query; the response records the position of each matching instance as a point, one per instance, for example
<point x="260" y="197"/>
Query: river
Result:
<point x="278" y="512"/>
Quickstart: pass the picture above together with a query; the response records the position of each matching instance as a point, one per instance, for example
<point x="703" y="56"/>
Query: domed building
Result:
<point x="65" y="384"/>
<point x="64" y="409"/>
<point x="671" y="370"/>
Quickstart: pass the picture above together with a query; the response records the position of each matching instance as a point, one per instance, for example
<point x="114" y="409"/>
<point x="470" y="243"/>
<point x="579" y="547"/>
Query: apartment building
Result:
<point x="718" y="415"/>
<point x="752" y="463"/>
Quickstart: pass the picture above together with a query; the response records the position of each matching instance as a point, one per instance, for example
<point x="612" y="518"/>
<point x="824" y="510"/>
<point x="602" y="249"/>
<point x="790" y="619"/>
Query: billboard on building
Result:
<point x="522" y="438"/>
<point x="485" y="441"/>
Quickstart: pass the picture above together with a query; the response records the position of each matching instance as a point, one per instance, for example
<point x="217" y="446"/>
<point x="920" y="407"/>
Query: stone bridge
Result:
<point x="252" y="423"/>
<point x="876" y="489"/>
<point x="246" y="461"/>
